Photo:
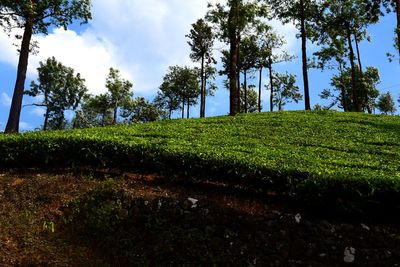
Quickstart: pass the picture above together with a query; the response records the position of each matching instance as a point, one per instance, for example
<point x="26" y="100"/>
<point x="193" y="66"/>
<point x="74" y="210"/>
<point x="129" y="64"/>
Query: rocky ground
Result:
<point x="138" y="220"/>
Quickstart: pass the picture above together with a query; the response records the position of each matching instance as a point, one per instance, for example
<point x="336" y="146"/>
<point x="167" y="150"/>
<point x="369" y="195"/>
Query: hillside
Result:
<point x="274" y="189"/>
<point x="318" y="154"/>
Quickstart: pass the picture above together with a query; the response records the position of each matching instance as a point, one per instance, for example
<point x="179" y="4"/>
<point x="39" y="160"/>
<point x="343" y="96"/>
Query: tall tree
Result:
<point x="95" y="111"/>
<point x="34" y="17"/>
<point x="346" y="21"/>
<point x="61" y="90"/>
<point x="119" y="90"/>
<point x="286" y="90"/>
<point x="303" y="13"/>
<point x="391" y="6"/>
<point x="139" y="110"/>
<point x="367" y="84"/>
<point x="180" y="85"/>
<point x="201" y="42"/>
<point x="252" y="99"/>
<point x="248" y="56"/>
<point x="268" y="43"/>
<point x="386" y="104"/>
<point x="231" y="21"/>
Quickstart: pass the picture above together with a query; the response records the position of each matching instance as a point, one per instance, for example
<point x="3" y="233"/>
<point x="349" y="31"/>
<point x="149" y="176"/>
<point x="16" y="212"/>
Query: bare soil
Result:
<point x="208" y="224"/>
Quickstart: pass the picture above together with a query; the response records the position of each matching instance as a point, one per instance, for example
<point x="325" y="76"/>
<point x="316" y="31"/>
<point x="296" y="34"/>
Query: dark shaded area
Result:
<point x="158" y="225"/>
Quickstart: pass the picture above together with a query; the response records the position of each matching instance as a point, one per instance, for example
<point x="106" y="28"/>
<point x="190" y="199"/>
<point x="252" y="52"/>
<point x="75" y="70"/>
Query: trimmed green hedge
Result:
<point x="318" y="154"/>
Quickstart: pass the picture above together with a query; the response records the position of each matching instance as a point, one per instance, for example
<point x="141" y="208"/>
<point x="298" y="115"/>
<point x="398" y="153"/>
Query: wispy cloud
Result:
<point x="25" y="126"/>
<point x="5" y="100"/>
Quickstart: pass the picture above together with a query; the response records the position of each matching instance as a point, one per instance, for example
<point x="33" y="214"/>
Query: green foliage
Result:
<point x="61" y="90"/>
<point x="285" y="90"/>
<point x="180" y="87"/>
<point x="319" y="154"/>
<point x="386" y="104"/>
<point x="119" y="90"/>
<point x="44" y="13"/>
<point x="366" y="83"/>
<point x="139" y="110"/>
<point x="252" y="99"/>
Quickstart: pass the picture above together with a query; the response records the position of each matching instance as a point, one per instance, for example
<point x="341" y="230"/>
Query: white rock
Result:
<point x="365" y="227"/>
<point x="297" y="218"/>
<point x="193" y="201"/>
<point x="349" y="254"/>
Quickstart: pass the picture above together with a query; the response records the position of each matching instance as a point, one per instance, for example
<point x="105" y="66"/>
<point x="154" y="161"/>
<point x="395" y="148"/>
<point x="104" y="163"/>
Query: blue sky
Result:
<point x="143" y="38"/>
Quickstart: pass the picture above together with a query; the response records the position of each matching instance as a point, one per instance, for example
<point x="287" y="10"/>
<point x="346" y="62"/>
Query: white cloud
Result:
<point x="86" y="53"/>
<point x="24" y="126"/>
<point x="141" y="38"/>
<point x="38" y="111"/>
<point x="6" y="100"/>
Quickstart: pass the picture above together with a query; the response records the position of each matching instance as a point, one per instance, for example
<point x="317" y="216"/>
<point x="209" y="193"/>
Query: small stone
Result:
<point x="297" y="218"/>
<point x="365" y="227"/>
<point x="388" y="254"/>
<point x="349" y="255"/>
<point x="193" y="201"/>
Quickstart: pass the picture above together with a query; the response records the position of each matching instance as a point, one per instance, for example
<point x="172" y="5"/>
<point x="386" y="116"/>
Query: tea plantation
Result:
<point x="324" y="155"/>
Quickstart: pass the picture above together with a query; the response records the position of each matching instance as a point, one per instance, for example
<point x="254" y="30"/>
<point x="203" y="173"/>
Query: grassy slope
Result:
<point x="300" y="152"/>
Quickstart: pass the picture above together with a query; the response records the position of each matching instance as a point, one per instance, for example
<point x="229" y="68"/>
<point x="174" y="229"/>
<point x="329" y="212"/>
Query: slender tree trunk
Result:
<point x="205" y="94"/>
<point x="259" y="90"/>
<point x="358" y="53"/>
<point x="114" y="122"/>
<point x="343" y="89"/>
<point x="245" y="91"/>
<point x="238" y="70"/>
<point x="46" y="119"/>
<point x="188" y="108"/>
<point x="183" y="107"/>
<point x="46" y="115"/>
<point x="238" y="92"/>
<point x="16" y="104"/>
<point x="397" y="3"/>
<point x="271" y="85"/>
<point x="233" y="60"/>
<point x="363" y="93"/>
<point x="304" y="56"/>
<point x="202" y="109"/>
<point x="356" y="104"/>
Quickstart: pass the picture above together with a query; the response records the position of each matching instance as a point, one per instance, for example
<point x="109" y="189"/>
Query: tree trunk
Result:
<point x="16" y="104"/>
<point x="46" y="119"/>
<point x="183" y="107"/>
<point x="238" y="70"/>
<point x="202" y="91"/>
<point x="271" y="84"/>
<point x="358" y="54"/>
<point x="205" y="94"/>
<point x="245" y="91"/>
<point x="233" y="60"/>
<point x="304" y="56"/>
<point x="343" y="89"/>
<point x="114" y="122"/>
<point x="357" y="107"/>
<point x="188" y="108"/>
<point x="363" y="93"/>
<point x="259" y="90"/>
<point x="397" y="3"/>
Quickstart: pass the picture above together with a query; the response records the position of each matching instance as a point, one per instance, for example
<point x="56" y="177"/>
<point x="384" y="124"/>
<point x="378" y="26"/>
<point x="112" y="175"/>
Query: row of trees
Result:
<point x="336" y="26"/>
<point x="61" y="90"/>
